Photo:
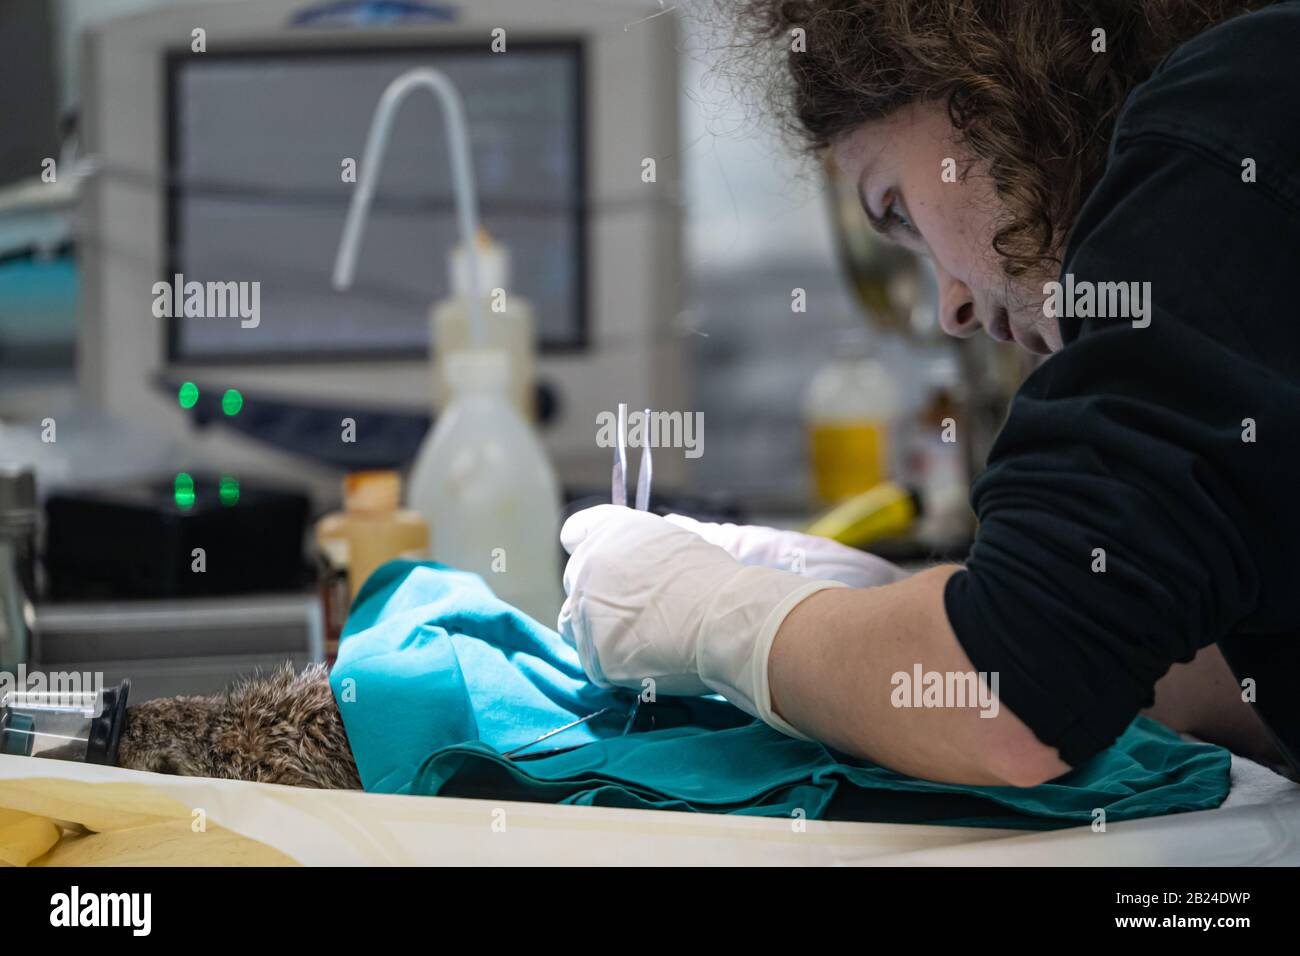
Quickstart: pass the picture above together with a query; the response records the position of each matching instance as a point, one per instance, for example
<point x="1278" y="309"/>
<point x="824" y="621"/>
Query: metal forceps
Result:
<point x="618" y="494"/>
<point x="645" y="472"/>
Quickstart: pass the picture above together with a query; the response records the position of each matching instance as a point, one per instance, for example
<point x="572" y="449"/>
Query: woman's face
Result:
<point x="907" y="169"/>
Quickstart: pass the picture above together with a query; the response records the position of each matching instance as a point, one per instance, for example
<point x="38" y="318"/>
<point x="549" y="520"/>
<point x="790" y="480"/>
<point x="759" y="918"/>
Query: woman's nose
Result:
<point x="956" y="308"/>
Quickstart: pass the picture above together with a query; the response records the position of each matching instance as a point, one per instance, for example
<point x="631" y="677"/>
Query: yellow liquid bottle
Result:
<point x="849" y="408"/>
<point x="848" y="456"/>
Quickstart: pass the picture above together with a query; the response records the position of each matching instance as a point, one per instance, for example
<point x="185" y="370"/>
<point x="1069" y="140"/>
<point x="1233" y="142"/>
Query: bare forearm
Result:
<point x="832" y="671"/>
<point x="1202" y="697"/>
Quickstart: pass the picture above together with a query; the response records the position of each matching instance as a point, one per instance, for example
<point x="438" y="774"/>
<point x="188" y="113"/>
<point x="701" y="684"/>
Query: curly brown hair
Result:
<point x="1020" y="80"/>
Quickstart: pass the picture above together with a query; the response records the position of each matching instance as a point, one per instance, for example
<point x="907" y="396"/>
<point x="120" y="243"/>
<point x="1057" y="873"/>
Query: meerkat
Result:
<point x="283" y="728"/>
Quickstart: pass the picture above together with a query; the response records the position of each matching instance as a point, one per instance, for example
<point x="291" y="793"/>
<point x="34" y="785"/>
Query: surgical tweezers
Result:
<point x="645" y="473"/>
<point x="618" y="494"/>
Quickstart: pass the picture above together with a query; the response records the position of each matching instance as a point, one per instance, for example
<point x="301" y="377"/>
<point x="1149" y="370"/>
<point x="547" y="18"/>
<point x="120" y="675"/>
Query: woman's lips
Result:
<point x="1000" y="329"/>
<point x="1030" y="341"/>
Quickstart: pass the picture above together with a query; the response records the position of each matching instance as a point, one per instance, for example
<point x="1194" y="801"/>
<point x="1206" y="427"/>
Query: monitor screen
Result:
<point x="256" y="147"/>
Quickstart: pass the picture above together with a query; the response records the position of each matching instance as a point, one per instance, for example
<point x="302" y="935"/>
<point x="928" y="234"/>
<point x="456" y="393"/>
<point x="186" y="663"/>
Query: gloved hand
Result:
<point x="804" y="554"/>
<point x="648" y="599"/>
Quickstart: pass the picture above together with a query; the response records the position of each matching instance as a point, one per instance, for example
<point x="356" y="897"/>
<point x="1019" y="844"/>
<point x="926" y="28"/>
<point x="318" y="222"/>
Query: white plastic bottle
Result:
<point x="508" y="317"/>
<point x="483" y="482"/>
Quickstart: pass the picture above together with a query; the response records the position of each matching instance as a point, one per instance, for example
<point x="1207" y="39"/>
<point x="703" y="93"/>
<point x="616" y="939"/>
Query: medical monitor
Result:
<point x="269" y="206"/>
<point x="225" y="164"/>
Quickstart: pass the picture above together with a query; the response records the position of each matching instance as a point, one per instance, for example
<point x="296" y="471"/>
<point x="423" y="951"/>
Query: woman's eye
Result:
<point x="898" y="220"/>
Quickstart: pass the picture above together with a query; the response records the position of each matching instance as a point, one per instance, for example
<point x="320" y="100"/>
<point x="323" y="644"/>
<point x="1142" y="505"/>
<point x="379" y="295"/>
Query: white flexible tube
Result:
<point x="462" y="175"/>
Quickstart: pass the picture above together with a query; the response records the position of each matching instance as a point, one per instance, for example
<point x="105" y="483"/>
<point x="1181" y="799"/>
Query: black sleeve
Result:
<point x="1130" y="440"/>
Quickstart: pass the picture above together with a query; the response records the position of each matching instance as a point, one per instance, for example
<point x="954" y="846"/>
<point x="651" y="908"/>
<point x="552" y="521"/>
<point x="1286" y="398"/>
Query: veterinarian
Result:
<point x="1139" y="524"/>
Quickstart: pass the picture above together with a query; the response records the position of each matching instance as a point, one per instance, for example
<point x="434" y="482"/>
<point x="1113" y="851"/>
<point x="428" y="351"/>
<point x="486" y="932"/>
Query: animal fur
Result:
<point x="284" y="728"/>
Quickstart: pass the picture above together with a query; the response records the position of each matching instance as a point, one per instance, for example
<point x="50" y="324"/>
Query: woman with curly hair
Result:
<point x="1111" y="183"/>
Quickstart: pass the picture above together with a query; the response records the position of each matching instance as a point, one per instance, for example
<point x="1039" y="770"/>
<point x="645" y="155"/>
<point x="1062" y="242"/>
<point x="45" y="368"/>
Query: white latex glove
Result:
<point x="648" y="599"/>
<point x="804" y="554"/>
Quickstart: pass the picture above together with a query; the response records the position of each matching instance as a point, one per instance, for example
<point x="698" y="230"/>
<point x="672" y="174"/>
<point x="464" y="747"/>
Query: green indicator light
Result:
<point x="232" y="402"/>
<point x="183" y="491"/>
<point x="228" y="490"/>
<point x="188" y="395"/>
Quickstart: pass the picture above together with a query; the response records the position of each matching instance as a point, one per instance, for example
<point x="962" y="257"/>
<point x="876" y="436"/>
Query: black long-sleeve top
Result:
<point x="1174" y="448"/>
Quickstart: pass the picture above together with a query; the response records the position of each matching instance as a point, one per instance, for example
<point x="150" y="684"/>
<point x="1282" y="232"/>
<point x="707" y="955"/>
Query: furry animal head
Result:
<point x="283" y="728"/>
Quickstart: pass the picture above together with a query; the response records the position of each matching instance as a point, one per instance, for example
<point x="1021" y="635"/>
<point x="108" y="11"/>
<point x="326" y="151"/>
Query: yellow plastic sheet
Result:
<point x="58" y="822"/>
<point x="24" y="837"/>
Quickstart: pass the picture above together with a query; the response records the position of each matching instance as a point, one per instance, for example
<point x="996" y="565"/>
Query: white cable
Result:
<point x="462" y="175"/>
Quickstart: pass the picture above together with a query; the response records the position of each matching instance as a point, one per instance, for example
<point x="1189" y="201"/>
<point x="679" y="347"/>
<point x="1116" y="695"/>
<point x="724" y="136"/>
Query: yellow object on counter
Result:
<point x="848" y="456"/>
<point x="886" y="510"/>
<point x="850" y="406"/>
